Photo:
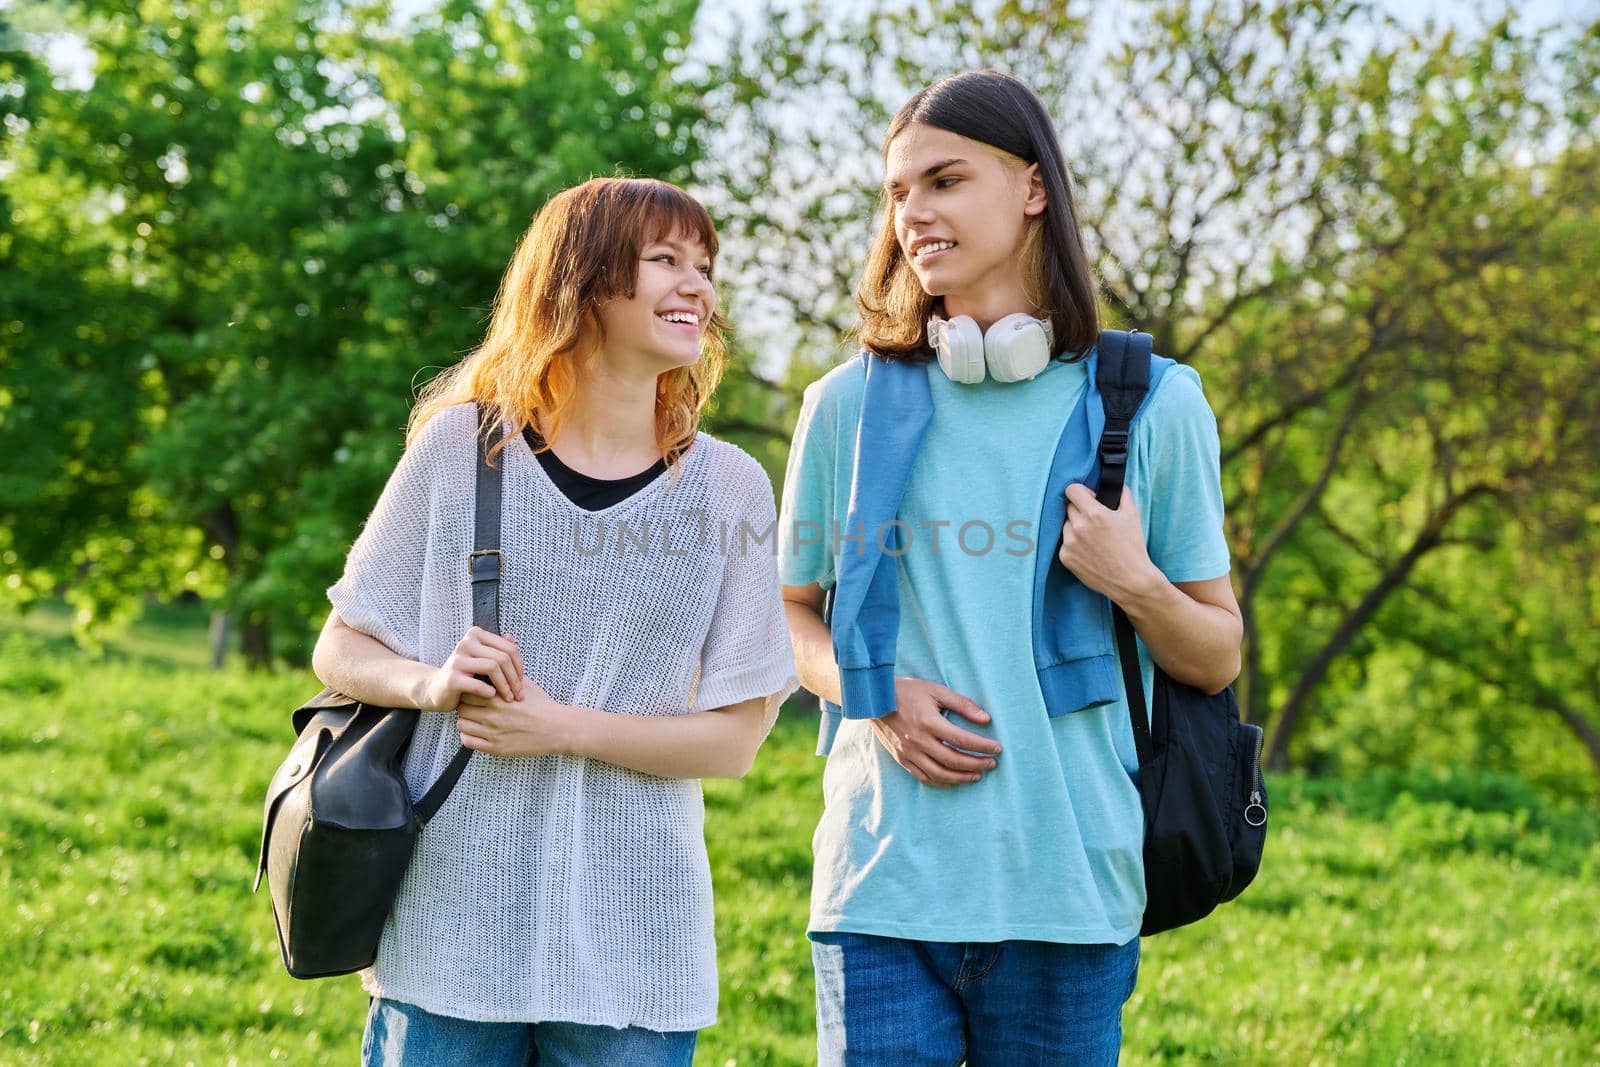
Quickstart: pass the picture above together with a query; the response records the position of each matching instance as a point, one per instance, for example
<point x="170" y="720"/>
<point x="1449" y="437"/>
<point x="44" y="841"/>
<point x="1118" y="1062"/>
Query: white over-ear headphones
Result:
<point x="1014" y="349"/>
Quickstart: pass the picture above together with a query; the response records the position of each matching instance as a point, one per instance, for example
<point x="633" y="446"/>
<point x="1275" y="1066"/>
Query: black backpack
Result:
<point x="1200" y="783"/>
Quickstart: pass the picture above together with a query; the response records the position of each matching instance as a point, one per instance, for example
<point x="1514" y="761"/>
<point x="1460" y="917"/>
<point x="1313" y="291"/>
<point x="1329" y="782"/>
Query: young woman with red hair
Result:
<point x="558" y="908"/>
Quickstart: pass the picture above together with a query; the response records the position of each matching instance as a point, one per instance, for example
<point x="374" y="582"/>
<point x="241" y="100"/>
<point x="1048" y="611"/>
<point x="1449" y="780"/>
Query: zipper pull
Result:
<point x="1255" y="813"/>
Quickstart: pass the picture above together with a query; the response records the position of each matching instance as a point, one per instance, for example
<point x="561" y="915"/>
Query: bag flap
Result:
<point x="302" y="758"/>
<point x="328" y="698"/>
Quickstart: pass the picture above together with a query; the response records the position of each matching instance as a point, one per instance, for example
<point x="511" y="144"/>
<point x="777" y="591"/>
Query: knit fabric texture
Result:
<point x="553" y="887"/>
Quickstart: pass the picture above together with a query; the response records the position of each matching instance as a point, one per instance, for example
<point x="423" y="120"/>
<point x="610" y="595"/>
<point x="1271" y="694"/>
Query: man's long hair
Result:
<point x="997" y="110"/>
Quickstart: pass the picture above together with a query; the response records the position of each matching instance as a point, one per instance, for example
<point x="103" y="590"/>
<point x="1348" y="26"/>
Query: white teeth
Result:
<point x="936" y="246"/>
<point x="682" y="316"/>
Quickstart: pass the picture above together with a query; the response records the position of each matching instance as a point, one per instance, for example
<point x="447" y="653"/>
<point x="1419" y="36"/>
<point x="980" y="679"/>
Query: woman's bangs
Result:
<point x="665" y="212"/>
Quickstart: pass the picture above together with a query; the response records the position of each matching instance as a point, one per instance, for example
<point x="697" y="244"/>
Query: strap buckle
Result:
<point x="1114" y="447"/>
<point x="484" y="553"/>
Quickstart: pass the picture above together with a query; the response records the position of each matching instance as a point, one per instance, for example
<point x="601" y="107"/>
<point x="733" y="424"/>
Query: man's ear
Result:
<point x="1037" y="201"/>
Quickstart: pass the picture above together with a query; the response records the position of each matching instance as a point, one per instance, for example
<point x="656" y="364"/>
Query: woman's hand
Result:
<point x="493" y="656"/>
<point x="534" y="724"/>
<point x="919" y="738"/>
<point x="1106" y="548"/>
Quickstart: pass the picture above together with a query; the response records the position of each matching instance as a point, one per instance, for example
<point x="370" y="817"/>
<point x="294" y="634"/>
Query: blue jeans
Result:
<point x="899" y="1003"/>
<point x="404" y="1035"/>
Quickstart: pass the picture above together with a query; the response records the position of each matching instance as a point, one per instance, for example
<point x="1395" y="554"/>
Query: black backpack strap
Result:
<point x="483" y="569"/>
<point x="1133" y="682"/>
<point x="1123" y="378"/>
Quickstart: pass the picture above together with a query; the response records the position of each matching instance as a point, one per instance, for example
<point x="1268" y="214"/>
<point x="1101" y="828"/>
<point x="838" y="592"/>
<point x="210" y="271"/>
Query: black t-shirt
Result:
<point x="591" y="494"/>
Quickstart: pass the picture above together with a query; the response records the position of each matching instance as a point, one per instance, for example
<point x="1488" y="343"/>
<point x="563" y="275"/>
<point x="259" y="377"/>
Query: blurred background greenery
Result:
<point x="240" y="234"/>
<point x="235" y="235"/>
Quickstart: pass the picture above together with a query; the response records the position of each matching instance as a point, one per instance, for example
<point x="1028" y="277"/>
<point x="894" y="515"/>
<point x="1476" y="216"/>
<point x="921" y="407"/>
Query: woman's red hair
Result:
<point x="582" y="250"/>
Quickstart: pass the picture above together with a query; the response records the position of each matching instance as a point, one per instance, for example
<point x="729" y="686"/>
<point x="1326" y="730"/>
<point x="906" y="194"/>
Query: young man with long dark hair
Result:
<point x="978" y="886"/>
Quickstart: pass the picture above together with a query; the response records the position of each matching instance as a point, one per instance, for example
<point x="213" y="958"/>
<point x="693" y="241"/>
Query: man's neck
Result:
<point x="989" y="304"/>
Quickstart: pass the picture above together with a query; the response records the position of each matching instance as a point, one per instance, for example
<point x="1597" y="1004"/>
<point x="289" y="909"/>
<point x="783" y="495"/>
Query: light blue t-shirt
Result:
<point x="1048" y="845"/>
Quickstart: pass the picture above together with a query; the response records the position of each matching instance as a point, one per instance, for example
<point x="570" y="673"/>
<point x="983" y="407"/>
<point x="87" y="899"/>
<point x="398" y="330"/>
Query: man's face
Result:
<point x="960" y="212"/>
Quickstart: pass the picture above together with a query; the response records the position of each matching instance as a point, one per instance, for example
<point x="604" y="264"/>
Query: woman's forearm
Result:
<point x="1195" y="642"/>
<point x="362" y="667"/>
<point x="701" y="744"/>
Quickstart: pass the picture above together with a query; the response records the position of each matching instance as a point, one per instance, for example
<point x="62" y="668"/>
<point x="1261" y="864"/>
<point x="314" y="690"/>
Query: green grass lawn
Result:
<point x="1402" y="919"/>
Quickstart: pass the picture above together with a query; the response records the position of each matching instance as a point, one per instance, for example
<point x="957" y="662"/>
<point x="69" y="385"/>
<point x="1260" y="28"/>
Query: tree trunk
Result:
<point x="255" y="641"/>
<point x="1392" y="578"/>
<point x="1585" y="730"/>
<point x="1248" y="691"/>
<point x="221" y="627"/>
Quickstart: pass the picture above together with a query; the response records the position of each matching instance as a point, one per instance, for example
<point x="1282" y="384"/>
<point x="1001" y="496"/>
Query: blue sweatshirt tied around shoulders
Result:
<point x="1074" y="651"/>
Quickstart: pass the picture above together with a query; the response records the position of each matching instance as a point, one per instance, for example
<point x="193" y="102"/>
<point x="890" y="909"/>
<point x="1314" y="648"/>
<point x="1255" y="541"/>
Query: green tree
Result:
<point x="1449" y="401"/>
<point x="1365" y="236"/>
<point x="235" y="251"/>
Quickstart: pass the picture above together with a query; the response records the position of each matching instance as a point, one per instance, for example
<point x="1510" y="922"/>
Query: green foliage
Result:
<point x="1376" y="242"/>
<point x="293" y="216"/>
<point x="1404" y="917"/>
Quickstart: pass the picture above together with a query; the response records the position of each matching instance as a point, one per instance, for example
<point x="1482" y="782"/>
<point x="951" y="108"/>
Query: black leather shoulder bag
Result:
<point x="1205" y="802"/>
<point x="339" y="826"/>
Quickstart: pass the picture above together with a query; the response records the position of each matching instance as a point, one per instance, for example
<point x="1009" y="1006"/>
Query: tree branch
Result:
<point x="1392" y="578"/>
<point x="1291" y="518"/>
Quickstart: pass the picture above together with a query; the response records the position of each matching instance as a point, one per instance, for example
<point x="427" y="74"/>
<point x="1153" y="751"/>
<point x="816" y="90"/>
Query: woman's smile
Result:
<point x="682" y="319"/>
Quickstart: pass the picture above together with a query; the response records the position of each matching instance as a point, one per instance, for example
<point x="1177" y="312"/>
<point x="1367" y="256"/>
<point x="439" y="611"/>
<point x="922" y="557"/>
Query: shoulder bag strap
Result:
<point x="483" y="569"/>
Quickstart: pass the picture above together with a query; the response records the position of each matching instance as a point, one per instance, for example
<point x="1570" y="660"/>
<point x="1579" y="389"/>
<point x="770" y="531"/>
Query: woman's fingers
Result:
<point x="500" y="647"/>
<point x="493" y="671"/>
<point x="473" y="740"/>
<point x="476" y="722"/>
<point x="464" y="681"/>
<point x="480" y="646"/>
<point x="516" y="656"/>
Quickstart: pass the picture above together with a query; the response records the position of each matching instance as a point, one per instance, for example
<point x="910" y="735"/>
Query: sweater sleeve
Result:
<point x="379" y="592"/>
<point x="746" y="652"/>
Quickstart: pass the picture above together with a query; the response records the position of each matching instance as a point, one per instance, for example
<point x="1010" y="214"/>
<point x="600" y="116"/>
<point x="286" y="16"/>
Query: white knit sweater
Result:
<point x="551" y="887"/>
